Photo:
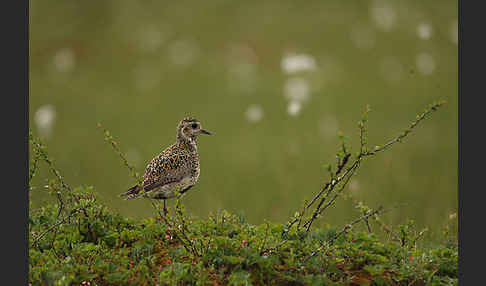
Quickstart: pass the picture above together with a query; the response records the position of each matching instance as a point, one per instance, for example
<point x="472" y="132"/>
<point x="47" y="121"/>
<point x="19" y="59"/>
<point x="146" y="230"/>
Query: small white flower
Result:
<point x="294" y="108"/>
<point x="424" y="31"/>
<point x="383" y="14"/>
<point x="254" y="113"/>
<point x="293" y="63"/>
<point x="44" y="119"/>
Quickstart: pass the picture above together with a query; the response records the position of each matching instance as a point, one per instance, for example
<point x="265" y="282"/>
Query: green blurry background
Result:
<point x="274" y="80"/>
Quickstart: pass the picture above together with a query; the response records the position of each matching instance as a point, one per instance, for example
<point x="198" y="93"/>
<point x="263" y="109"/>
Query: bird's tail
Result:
<point x="132" y="193"/>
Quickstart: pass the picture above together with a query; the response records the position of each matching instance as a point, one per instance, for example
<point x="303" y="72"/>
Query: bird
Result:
<point x="175" y="168"/>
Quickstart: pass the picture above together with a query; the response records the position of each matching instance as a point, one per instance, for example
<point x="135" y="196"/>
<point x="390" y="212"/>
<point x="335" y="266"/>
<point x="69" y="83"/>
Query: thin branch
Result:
<point x="186" y="243"/>
<point x="39" y="148"/>
<point x="301" y="215"/>
<point x="362" y="130"/>
<point x="399" y="138"/>
<point x="318" y="211"/>
<point x="264" y="239"/>
<point x="114" y="145"/>
<point x="269" y="250"/>
<point x="368" y="225"/>
<point x="329" y="186"/>
<point x="183" y="228"/>
<point x="40" y="153"/>
<point x="54" y="226"/>
<point x="388" y="230"/>
<point x="157" y="208"/>
<point x="343" y="163"/>
<point x="61" y="204"/>
<point x="33" y="170"/>
<point x="365" y="217"/>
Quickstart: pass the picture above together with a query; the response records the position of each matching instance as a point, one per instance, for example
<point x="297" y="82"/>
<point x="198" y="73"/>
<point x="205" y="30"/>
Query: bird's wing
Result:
<point x="165" y="169"/>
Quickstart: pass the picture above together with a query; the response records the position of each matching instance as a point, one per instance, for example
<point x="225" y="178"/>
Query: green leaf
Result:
<point x="374" y="269"/>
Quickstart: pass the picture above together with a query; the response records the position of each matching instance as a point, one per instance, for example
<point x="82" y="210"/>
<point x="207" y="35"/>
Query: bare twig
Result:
<point x="362" y="130"/>
<point x="343" y="163"/>
<point x="399" y="138"/>
<point x="318" y="210"/>
<point x="388" y="230"/>
<point x="300" y="216"/>
<point x="329" y="187"/>
<point x="368" y="225"/>
<point x="54" y="226"/>
<point x="365" y="217"/>
<point x="114" y="145"/>
<point x="33" y="169"/>
<point x="61" y="203"/>
<point x="183" y="228"/>
<point x="269" y="250"/>
<point x="42" y="153"/>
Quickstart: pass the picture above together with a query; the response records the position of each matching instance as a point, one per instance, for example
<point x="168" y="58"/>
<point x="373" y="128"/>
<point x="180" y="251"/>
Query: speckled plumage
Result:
<point x="176" y="167"/>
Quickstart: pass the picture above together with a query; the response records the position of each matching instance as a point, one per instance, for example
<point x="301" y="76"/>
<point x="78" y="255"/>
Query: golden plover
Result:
<point x="175" y="168"/>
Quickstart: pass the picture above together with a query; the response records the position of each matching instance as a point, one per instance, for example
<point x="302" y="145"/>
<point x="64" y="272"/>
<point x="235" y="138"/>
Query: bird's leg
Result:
<point x="165" y="207"/>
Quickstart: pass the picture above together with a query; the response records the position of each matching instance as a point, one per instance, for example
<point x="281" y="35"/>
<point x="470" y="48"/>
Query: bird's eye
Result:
<point x="194" y="125"/>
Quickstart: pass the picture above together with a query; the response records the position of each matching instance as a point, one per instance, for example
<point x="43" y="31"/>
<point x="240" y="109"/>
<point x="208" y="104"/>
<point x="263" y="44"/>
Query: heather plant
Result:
<point x="77" y="240"/>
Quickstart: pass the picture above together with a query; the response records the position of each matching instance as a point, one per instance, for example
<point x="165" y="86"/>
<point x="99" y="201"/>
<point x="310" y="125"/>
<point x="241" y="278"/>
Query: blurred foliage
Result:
<point x="139" y="67"/>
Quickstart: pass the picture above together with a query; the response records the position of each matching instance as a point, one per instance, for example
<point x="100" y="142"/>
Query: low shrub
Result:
<point x="105" y="248"/>
<point x="80" y="241"/>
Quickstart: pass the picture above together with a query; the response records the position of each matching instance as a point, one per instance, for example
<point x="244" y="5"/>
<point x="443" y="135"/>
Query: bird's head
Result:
<point x="189" y="128"/>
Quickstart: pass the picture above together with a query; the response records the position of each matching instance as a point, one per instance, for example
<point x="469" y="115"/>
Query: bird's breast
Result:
<point x="198" y="171"/>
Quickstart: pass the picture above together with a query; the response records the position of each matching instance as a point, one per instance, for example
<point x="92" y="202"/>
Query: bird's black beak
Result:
<point x="206" y="132"/>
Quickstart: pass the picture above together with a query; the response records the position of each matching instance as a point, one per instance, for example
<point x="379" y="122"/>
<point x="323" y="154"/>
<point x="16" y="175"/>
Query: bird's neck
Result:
<point x="188" y="143"/>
